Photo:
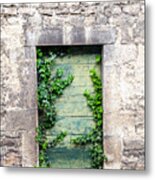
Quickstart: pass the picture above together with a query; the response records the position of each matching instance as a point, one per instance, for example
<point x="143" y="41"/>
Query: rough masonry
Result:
<point x="116" y="25"/>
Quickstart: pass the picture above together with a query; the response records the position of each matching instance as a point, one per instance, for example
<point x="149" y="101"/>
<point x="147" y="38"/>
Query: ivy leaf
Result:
<point x="98" y="58"/>
<point x="86" y="93"/>
<point x="59" y="73"/>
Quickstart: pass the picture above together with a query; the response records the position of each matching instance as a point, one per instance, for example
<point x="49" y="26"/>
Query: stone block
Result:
<point x="116" y="10"/>
<point x="8" y="141"/>
<point x="89" y="12"/>
<point x="112" y="149"/>
<point x="78" y="35"/>
<point x="100" y="20"/>
<point x="140" y="165"/>
<point x="9" y="11"/>
<point x="62" y="11"/>
<point x="34" y="22"/>
<point x="129" y="164"/>
<point x="141" y="56"/>
<point x="12" y="35"/>
<point x="49" y="5"/>
<point x="107" y="11"/>
<point x="29" y="148"/>
<point x="122" y="20"/>
<point x="30" y="37"/>
<point x="14" y="97"/>
<point x="75" y="10"/>
<point x="138" y="31"/>
<point x="142" y="7"/>
<point x="49" y="21"/>
<point x="10" y="138"/>
<point x="12" y="159"/>
<point x="11" y="154"/>
<point x="111" y="91"/>
<point x="132" y="9"/>
<point x="116" y="124"/>
<point x="30" y="10"/>
<point x="30" y="53"/>
<point x="132" y="87"/>
<point x="46" y="11"/>
<point x="139" y="128"/>
<point x="77" y="20"/>
<point x="118" y="54"/>
<point x="121" y="88"/>
<point x="18" y="80"/>
<point x="140" y="124"/>
<point x="19" y="120"/>
<point x="126" y="35"/>
<point x="19" y="89"/>
<point x="133" y="153"/>
<point x="53" y="36"/>
<point x="133" y="144"/>
<point x="99" y="35"/>
<point x="18" y="147"/>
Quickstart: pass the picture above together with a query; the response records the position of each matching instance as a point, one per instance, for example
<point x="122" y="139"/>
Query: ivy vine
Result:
<point x="95" y="137"/>
<point x="50" y="87"/>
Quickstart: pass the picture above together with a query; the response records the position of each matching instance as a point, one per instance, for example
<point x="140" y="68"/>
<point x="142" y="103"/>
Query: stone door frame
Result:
<point x="77" y="37"/>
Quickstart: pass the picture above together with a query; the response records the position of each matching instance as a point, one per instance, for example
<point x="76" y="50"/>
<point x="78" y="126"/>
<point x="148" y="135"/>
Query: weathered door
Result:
<point x="73" y="114"/>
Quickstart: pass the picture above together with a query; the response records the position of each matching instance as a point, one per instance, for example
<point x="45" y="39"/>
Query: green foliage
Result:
<point x="98" y="58"/>
<point x="60" y="137"/>
<point x="49" y="89"/>
<point x="95" y="137"/>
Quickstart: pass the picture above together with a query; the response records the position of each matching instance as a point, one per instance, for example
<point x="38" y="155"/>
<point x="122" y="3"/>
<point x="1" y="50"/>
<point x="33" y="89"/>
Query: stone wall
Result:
<point x="119" y="27"/>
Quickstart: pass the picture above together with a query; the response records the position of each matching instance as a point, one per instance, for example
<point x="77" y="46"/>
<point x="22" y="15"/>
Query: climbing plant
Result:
<point x="50" y="87"/>
<point x="95" y="137"/>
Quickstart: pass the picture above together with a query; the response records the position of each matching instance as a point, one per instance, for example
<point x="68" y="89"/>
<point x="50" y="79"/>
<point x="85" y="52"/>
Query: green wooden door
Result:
<point x="73" y="114"/>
